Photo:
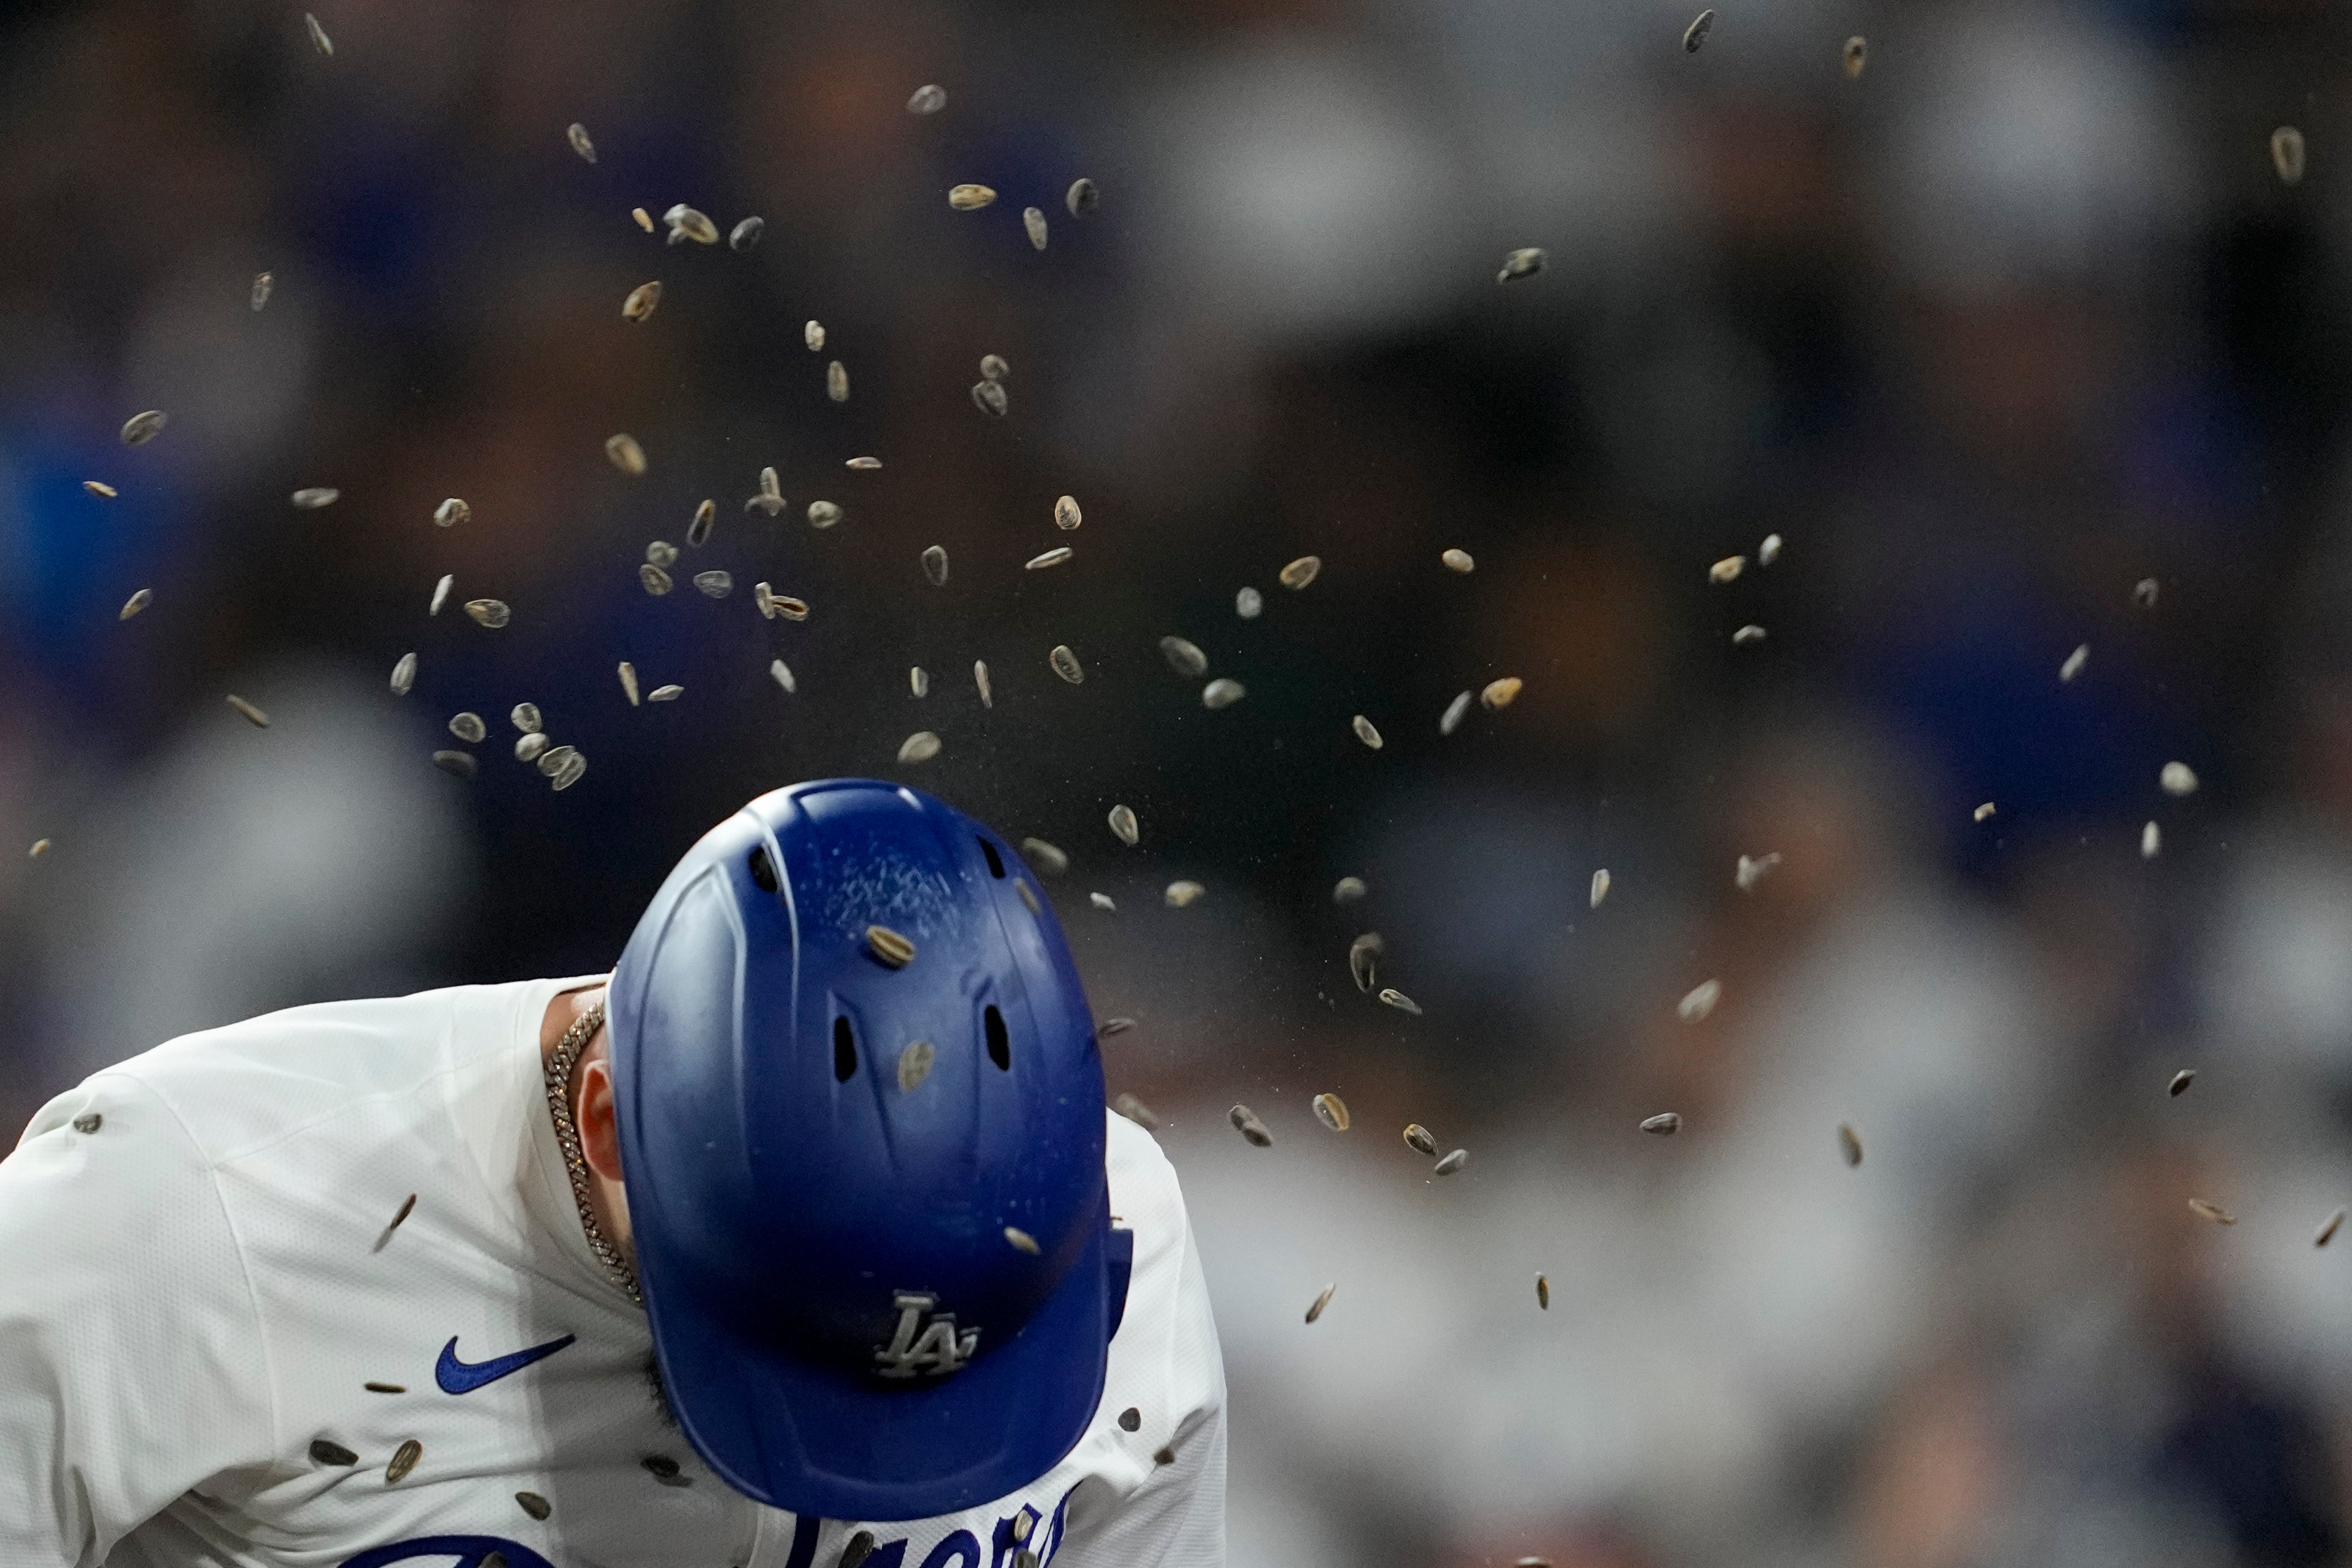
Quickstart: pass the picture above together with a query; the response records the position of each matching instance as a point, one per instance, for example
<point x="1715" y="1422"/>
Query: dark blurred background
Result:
<point x="2018" y="318"/>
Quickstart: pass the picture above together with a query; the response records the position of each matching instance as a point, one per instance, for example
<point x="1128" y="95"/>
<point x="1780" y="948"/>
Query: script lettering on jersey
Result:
<point x="934" y="1347"/>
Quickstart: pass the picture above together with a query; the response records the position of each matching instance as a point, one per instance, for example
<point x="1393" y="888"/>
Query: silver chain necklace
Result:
<point x="559" y="1063"/>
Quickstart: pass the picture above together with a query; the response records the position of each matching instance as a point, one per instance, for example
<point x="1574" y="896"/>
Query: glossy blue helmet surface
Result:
<point x="842" y="1322"/>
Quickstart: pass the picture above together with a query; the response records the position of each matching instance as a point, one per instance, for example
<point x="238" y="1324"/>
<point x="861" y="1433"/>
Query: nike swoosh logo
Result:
<point x="457" y="1376"/>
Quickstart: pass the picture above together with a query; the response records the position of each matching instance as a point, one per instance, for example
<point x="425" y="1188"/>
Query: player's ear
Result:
<point x="600" y="1135"/>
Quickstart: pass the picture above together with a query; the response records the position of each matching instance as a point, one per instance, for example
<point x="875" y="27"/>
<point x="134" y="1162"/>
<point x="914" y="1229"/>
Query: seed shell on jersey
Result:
<point x="1518" y="263"/>
<point x="456" y="764"/>
<point x="1183" y="894"/>
<point x="1499" y="694"/>
<point x="529" y="747"/>
<point x="1856" y="55"/>
<point x="993" y="368"/>
<point x="263" y="283"/>
<point x="1065" y="664"/>
<point x="1458" y="560"/>
<point x="143" y="428"/>
<point x="1728" y="570"/>
<point x="318" y="40"/>
<point x="1418" y="1139"/>
<point x="665" y="694"/>
<point x="626" y="455"/>
<point x="1123" y="824"/>
<point x="1365" y="731"/>
<point x="1747" y="634"/>
<point x="310" y="497"/>
<point x="860" y="1547"/>
<point x="628" y="674"/>
<point x="706" y="518"/>
<point x="642" y="301"/>
<point x="929" y="98"/>
<point x="770" y="498"/>
<point x="1022" y="1241"/>
<point x="1696" y="34"/>
<point x="1028" y="897"/>
<point x="1246" y="1122"/>
<point x="2144" y="591"/>
<point x="1363" y="960"/>
<point x="40" y="847"/>
<point x="1047" y="858"/>
<point x="644" y="219"/>
<point x="1034" y="220"/>
<point x="915" y="1064"/>
<point x="789" y="608"/>
<point x="1450" y="720"/>
<point x="919" y="746"/>
<point x="1665" y="1124"/>
<point x="2212" y="1211"/>
<point x="980" y="679"/>
<point x="1300" y="572"/>
<point x="1543" y="1293"/>
<point x="135" y="603"/>
<point x="403" y="674"/>
<point x="836" y="382"/>
<point x="1452" y="1163"/>
<point x="451" y="512"/>
<point x="2181" y="1082"/>
<point x="469" y="728"/>
<point x="970" y="198"/>
<point x="404" y="1459"/>
<point x="1332" y="1112"/>
<point x="259" y="719"/>
<point x="991" y="397"/>
<point x="1599" y="886"/>
<point x="1768" y="552"/>
<point x="577" y="134"/>
<point x="1129" y="1419"/>
<point x="1753" y="869"/>
<point x="441" y="594"/>
<point x="326" y="1452"/>
<point x="781" y="673"/>
<point x="1849" y="1142"/>
<point x="555" y="759"/>
<point x="662" y="553"/>
<point x="1248" y="603"/>
<point x="1134" y="1110"/>
<point x="1081" y="197"/>
<point x="1222" y="693"/>
<point x="2178" y="778"/>
<point x="1699" y="1001"/>
<point x="823" y="514"/>
<point x="864" y="464"/>
<point x="1052" y="558"/>
<point x="746" y="234"/>
<point x="531" y="1503"/>
<point x="100" y="489"/>
<point x="1066" y="515"/>
<point x="1184" y="658"/>
<point x="1102" y="901"/>
<point x="490" y="613"/>
<point x="2075" y="661"/>
<point x="715" y="585"/>
<point x="88" y="1121"/>
<point x="656" y="580"/>
<point x="1322" y="1300"/>
<point x="2328" y="1231"/>
<point x="1398" y="1000"/>
<point x="525" y="716"/>
<point x="813" y="334"/>
<point x="2151" y="840"/>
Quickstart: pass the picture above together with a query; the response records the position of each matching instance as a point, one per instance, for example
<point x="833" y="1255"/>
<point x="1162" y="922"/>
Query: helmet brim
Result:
<point x="817" y="1439"/>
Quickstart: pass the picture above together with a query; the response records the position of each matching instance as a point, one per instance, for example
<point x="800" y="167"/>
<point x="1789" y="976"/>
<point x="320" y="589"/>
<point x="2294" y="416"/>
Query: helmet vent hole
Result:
<point x="995" y="861"/>
<point x="1000" y="1044"/>
<point x="844" y="1050"/>
<point x="763" y="869"/>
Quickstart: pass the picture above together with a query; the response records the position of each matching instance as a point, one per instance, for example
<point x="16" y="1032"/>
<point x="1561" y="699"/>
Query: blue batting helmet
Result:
<point x="861" y="1119"/>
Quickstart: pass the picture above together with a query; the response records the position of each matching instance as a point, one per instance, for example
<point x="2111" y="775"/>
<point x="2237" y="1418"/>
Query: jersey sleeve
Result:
<point x="1175" y="1517"/>
<point x="132" y="1363"/>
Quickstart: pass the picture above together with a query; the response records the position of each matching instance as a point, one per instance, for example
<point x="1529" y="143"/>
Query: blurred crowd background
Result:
<point x="2018" y="318"/>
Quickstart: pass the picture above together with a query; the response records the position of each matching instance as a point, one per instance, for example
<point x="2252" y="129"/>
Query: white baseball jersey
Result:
<point x="227" y="1338"/>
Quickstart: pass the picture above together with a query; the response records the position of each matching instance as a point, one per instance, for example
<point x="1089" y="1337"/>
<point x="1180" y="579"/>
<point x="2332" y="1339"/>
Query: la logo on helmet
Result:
<point x="932" y="1347"/>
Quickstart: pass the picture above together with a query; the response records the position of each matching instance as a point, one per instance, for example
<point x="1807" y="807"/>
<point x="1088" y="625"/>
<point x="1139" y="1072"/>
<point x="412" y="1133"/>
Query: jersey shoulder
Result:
<point x="249" y="1084"/>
